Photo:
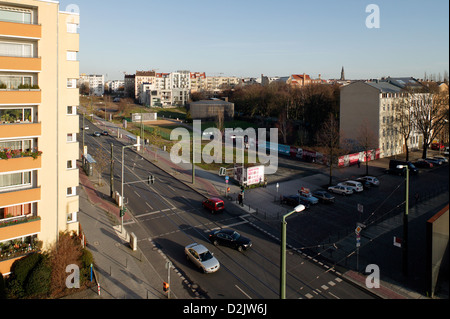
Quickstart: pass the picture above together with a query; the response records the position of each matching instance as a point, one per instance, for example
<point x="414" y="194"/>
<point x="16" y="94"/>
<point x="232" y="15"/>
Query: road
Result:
<point x="169" y="214"/>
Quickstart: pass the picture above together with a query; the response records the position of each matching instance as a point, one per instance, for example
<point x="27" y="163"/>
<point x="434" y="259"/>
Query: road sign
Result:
<point x="360" y="208"/>
<point x="358" y="230"/>
<point x="227" y="178"/>
<point x="397" y="242"/>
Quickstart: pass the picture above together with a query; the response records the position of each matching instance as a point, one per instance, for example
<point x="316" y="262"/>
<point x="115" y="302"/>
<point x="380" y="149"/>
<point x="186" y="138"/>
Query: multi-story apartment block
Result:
<point x="114" y="86"/>
<point x="374" y="103"/>
<point x="166" y="90"/>
<point x="198" y="82"/>
<point x="301" y="80"/>
<point x="217" y="84"/>
<point x="129" y="84"/>
<point x="95" y="83"/>
<point x="141" y="77"/>
<point x="38" y="126"/>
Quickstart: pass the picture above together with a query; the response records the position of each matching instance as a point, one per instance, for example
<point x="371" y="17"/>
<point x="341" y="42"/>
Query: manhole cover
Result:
<point x="96" y="243"/>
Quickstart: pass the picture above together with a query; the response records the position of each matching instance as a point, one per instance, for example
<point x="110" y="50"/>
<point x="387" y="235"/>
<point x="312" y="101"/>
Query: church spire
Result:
<point x="342" y="74"/>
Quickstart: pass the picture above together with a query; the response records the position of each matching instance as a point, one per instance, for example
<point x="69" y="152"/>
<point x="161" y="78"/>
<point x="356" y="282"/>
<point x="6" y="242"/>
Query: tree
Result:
<point x="430" y="112"/>
<point x="366" y="140"/>
<point x="328" y="137"/>
<point x="403" y="118"/>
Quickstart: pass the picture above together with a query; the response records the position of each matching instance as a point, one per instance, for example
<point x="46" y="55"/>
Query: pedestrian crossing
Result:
<point x="324" y="290"/>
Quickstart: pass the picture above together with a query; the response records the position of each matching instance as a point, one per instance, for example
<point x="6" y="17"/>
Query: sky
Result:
<point x="247" y="38"/>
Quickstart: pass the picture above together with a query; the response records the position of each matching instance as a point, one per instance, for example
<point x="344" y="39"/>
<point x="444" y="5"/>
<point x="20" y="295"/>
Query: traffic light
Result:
<point x="123" y="211"/>
<point x="151" y="180"/>
<point x="166" y="287"/>
<point x="223" y="171"/>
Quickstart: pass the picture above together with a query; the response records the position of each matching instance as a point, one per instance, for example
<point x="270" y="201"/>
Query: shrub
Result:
<point x="38" y="283"/>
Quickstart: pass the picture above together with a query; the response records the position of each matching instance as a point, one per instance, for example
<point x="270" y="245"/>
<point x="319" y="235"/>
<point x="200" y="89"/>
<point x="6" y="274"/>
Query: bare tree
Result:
<point x="328" y="137"/>
<point x="430" y="112"/>
<point x="367" y="140"/>
<point x="102" y="162"/>
<point x="403" y="118"/>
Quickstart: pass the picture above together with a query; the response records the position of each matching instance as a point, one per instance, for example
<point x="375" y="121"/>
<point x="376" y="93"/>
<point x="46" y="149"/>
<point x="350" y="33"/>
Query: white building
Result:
<point x="96" y="83"/>
<point x="374" y="103"/>
<point x="115" y="85"/>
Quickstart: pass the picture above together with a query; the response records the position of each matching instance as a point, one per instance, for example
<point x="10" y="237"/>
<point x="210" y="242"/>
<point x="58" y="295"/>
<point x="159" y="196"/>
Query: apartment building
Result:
<point x="374" y="103"/>
<point x="166" y="90"/>
<point x="217" y="84"/>
<point x="198" y="81"/>
<point x="143" y="77"/>
<point x="95" y="83"/>
<point x="301" y="80"/>
<point x="38" y="126"/>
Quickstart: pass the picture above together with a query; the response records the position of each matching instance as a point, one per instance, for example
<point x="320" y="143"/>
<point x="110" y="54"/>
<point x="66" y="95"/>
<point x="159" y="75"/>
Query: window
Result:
<point x="72" y="28"/>
<point x="9" y="116"/>
<point x="13" y="82"/>
<point x="69" y="164"/>
<point x="72" y="217"/>
<point x="71" y="138"/>
<point x="20" y="145"/>
<point x="15" y="180"/>
<point x="71" y="110"/>
<point x="16" y="49"/>
<point x="71" y="191"/>
<point x="16" y="211"/>
<point x="15" y="15"/>
<point x="72" y="56"/>
<point x="71" y="83"/>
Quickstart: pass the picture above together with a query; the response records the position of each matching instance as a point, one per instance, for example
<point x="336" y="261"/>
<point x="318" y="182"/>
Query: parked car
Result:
<point x="97" y="134"/>
<point x="230" y="238"/>
<point x="306" y="195"/>
<point x="214" y="205"/>
<point x="435" y="161"/>
<point x="441" y="158"/>
<point x="373" y="181"/>
<point x="393" y="168"/>
<point x="294" y="201"/>
<point x="105" y="133"/>
<point x="437" y="146"/>
<point x="202" y="258"/>
<point x="423" y="164"/>
<point x="343" y="190"/>
<point x="357" y="187"/>
<point x="446" y="151"/>
<point x="324" y="196"/>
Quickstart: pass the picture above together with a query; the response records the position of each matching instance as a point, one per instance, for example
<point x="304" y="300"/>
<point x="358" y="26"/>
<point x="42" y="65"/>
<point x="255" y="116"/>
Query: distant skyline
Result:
<point x="248" y="38"/>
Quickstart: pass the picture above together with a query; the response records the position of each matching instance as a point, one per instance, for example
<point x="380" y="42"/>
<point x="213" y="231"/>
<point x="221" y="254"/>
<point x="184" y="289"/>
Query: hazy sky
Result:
<point x="254" y="37"/>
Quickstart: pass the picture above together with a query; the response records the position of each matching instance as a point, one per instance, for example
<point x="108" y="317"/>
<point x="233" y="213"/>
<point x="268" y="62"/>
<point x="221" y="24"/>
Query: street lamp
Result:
<point x="122" y="202"/>
<point x="405" y="223"/>
<point x="297" y="209"/>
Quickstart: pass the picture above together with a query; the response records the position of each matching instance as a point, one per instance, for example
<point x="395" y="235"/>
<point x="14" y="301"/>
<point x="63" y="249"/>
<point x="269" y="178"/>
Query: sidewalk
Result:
<point x="121" y="272"/>
<point x="208" y="184"/>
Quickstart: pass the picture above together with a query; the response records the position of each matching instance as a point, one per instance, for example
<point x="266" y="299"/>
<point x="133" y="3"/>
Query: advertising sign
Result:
<point x="255" y="175"/>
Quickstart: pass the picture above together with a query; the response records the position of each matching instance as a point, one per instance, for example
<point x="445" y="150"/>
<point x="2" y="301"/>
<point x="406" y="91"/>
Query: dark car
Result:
<point x="105" y="133"/>
<point x="230" y="238"/>
<point x="324" y="197"/>
<point x="434" y="161"/>
<point x="423" y="164"/>
<point x="294" y="200"/>
<point x="214" y="205"/>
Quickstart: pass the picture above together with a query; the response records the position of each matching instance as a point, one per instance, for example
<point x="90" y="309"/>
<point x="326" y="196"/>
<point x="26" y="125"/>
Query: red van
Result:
<point x="214" y="205"/>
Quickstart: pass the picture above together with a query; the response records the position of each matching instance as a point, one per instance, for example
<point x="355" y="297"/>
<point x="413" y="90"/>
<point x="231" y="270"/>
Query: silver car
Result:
<point x="370" y="179"/>
<point x="344" y="190"/>
<point x="202" y="258"/>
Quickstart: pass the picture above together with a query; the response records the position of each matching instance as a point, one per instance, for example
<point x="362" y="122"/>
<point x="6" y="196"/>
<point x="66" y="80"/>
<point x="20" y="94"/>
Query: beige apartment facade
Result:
<point x="38" y="125"/>
<point x="373" y="104"/>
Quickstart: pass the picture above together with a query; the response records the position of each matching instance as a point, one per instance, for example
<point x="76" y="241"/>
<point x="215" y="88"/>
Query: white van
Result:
<point x="356" y="186"/>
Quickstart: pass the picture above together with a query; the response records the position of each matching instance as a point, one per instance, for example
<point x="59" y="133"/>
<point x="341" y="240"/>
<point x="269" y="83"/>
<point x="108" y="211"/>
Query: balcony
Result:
<point x="18" y="130"/>
<point x="20" y="227"/>
<point x="20" y="30"/>
<point x="20" y="97"/>
<point x="18" y="197"/>
<point x="19" y="164"/>
<point x="28" y="64"/>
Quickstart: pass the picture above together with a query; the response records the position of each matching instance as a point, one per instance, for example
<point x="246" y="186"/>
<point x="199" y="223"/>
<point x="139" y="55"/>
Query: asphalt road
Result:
<point x="169" y="214"/>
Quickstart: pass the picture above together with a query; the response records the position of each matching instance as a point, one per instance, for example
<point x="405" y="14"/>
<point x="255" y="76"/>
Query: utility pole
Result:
<point x="112" y="171"/>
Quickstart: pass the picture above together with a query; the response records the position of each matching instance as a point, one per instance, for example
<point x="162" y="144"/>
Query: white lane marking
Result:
<point x="334" y="295"/>
<point x="243" y="292"/>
